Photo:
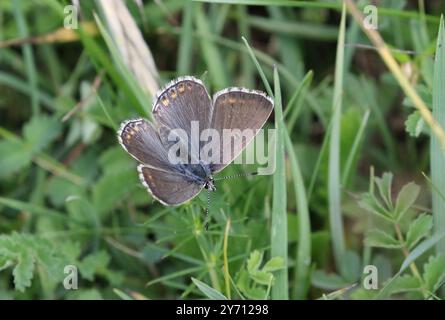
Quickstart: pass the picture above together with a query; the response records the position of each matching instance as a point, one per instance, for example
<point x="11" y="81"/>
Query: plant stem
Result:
<point x="226" y="261"/>
<point x="412" y="265"/>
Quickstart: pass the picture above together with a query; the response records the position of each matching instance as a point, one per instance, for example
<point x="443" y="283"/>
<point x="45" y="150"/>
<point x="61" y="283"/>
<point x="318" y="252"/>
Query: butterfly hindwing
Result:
<point x="170" y="188"/>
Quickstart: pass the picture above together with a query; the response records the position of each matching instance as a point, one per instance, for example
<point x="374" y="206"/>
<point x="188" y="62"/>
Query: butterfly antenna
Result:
<point x="237" y="176"/>
<point x="206" y="217"/>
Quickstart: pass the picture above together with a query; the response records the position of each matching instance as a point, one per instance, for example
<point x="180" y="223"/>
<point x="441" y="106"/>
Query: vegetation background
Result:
<point x="360" y="177"/>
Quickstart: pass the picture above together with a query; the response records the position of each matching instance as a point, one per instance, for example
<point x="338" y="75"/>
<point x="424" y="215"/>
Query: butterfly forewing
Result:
<point x="238" y="114"/>
<point x="183" y="104"/>
<point x="141" y="140"/>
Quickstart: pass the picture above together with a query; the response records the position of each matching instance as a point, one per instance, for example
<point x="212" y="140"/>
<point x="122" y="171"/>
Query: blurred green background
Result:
<point x="69" y="194"/>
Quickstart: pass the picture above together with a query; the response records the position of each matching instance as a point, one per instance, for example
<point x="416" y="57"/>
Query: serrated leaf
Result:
<point x="405" y="283"/>
<point x="414" y="124"/>
<point x="5" y="262"/>
<point x="254" y="261"/>
<point x="370" y="203"/>
<point x="24" y="270"/>
<point x="243" y="280"/>
<point x="276" y="263"/>
<point x="381" y="239"/>
<point x="14" y="157"/>
<point x="262" y="277"/>
<point x="405" y="199"/>
<point x="419" y="229"/>
<point x="384" y="186"/>
<point x="41" y="131"/>
<point x="208" y="291"/>
<point x="434" y="272"/>
<point x="24" y="252"/>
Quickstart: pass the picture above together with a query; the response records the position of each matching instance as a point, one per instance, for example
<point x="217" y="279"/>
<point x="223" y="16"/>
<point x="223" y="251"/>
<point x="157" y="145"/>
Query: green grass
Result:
<point x="334" y="175"/>
<point x="71" y="195"/>
<point x="437" y="153"/>
<point x="278" y="240"/>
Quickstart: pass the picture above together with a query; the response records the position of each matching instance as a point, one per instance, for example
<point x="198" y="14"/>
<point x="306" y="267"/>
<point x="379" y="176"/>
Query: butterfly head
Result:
<point x="209" y="183"/>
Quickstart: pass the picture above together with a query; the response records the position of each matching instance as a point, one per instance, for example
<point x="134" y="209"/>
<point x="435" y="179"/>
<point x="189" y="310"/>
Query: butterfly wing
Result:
<point x="169" y="188"/>
<point x="162" y="179"/>
<point x="183" y="103"/>
<point x="141" y="140"/>
<point x="238" y="109"/>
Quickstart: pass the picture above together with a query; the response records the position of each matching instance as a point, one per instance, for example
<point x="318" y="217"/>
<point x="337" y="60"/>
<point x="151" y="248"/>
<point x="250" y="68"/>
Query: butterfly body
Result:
<point x="183" y="105"/>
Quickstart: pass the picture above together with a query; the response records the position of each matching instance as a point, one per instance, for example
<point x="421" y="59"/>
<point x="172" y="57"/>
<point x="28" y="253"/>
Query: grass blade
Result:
<point x="334" y="183"/>
<point x="436" y="152"/>
<point x="129" y="78"/>
<point x="292" y="112"/>
<point x="303" y="253"/>
<point x="260" y="70"/>
<point x="353" y="153"/>
<point x="279" y="210"/>
<point x="226" y="260"/>
<point x="208" y="291"/>
<point x="186" y="41"/>
<point x="212" y="54"/>
<point x="28" y="57"/>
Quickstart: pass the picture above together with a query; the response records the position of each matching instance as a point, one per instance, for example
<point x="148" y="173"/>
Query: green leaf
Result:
<point x="370" y="203"/>
<point x="419" y="229"/>
<point x="14" y="156"/>
<point x="24" y="270"/>
<point x="405" y="283"/>
<point x="276" y="263"/>
<point x="5" y="262"/>
<point x="437" y="155"/>
<point x="254" y="261"/>
<point x="419" y="250"/>
<point x="405" y="199"/>
<point x="262" y="277"/>
<point x="255" y="293"/>
<point x="384" y="185"/>
<point x="243" y="280"/>
<point x="328" y="281"/>
<point x="208" y="291"/>
<point x="414" y="124"/>
<point x="41" y="131"/>
<point x="93" y="263"/>
<point x="351" y="266"/>
<point x="434" y="272"/>
<point x="381" y="239"/>
<point x="24" y="253"/>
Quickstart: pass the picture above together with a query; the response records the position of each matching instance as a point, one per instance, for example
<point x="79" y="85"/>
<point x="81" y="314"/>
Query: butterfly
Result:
<point x="182" y="104"/>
